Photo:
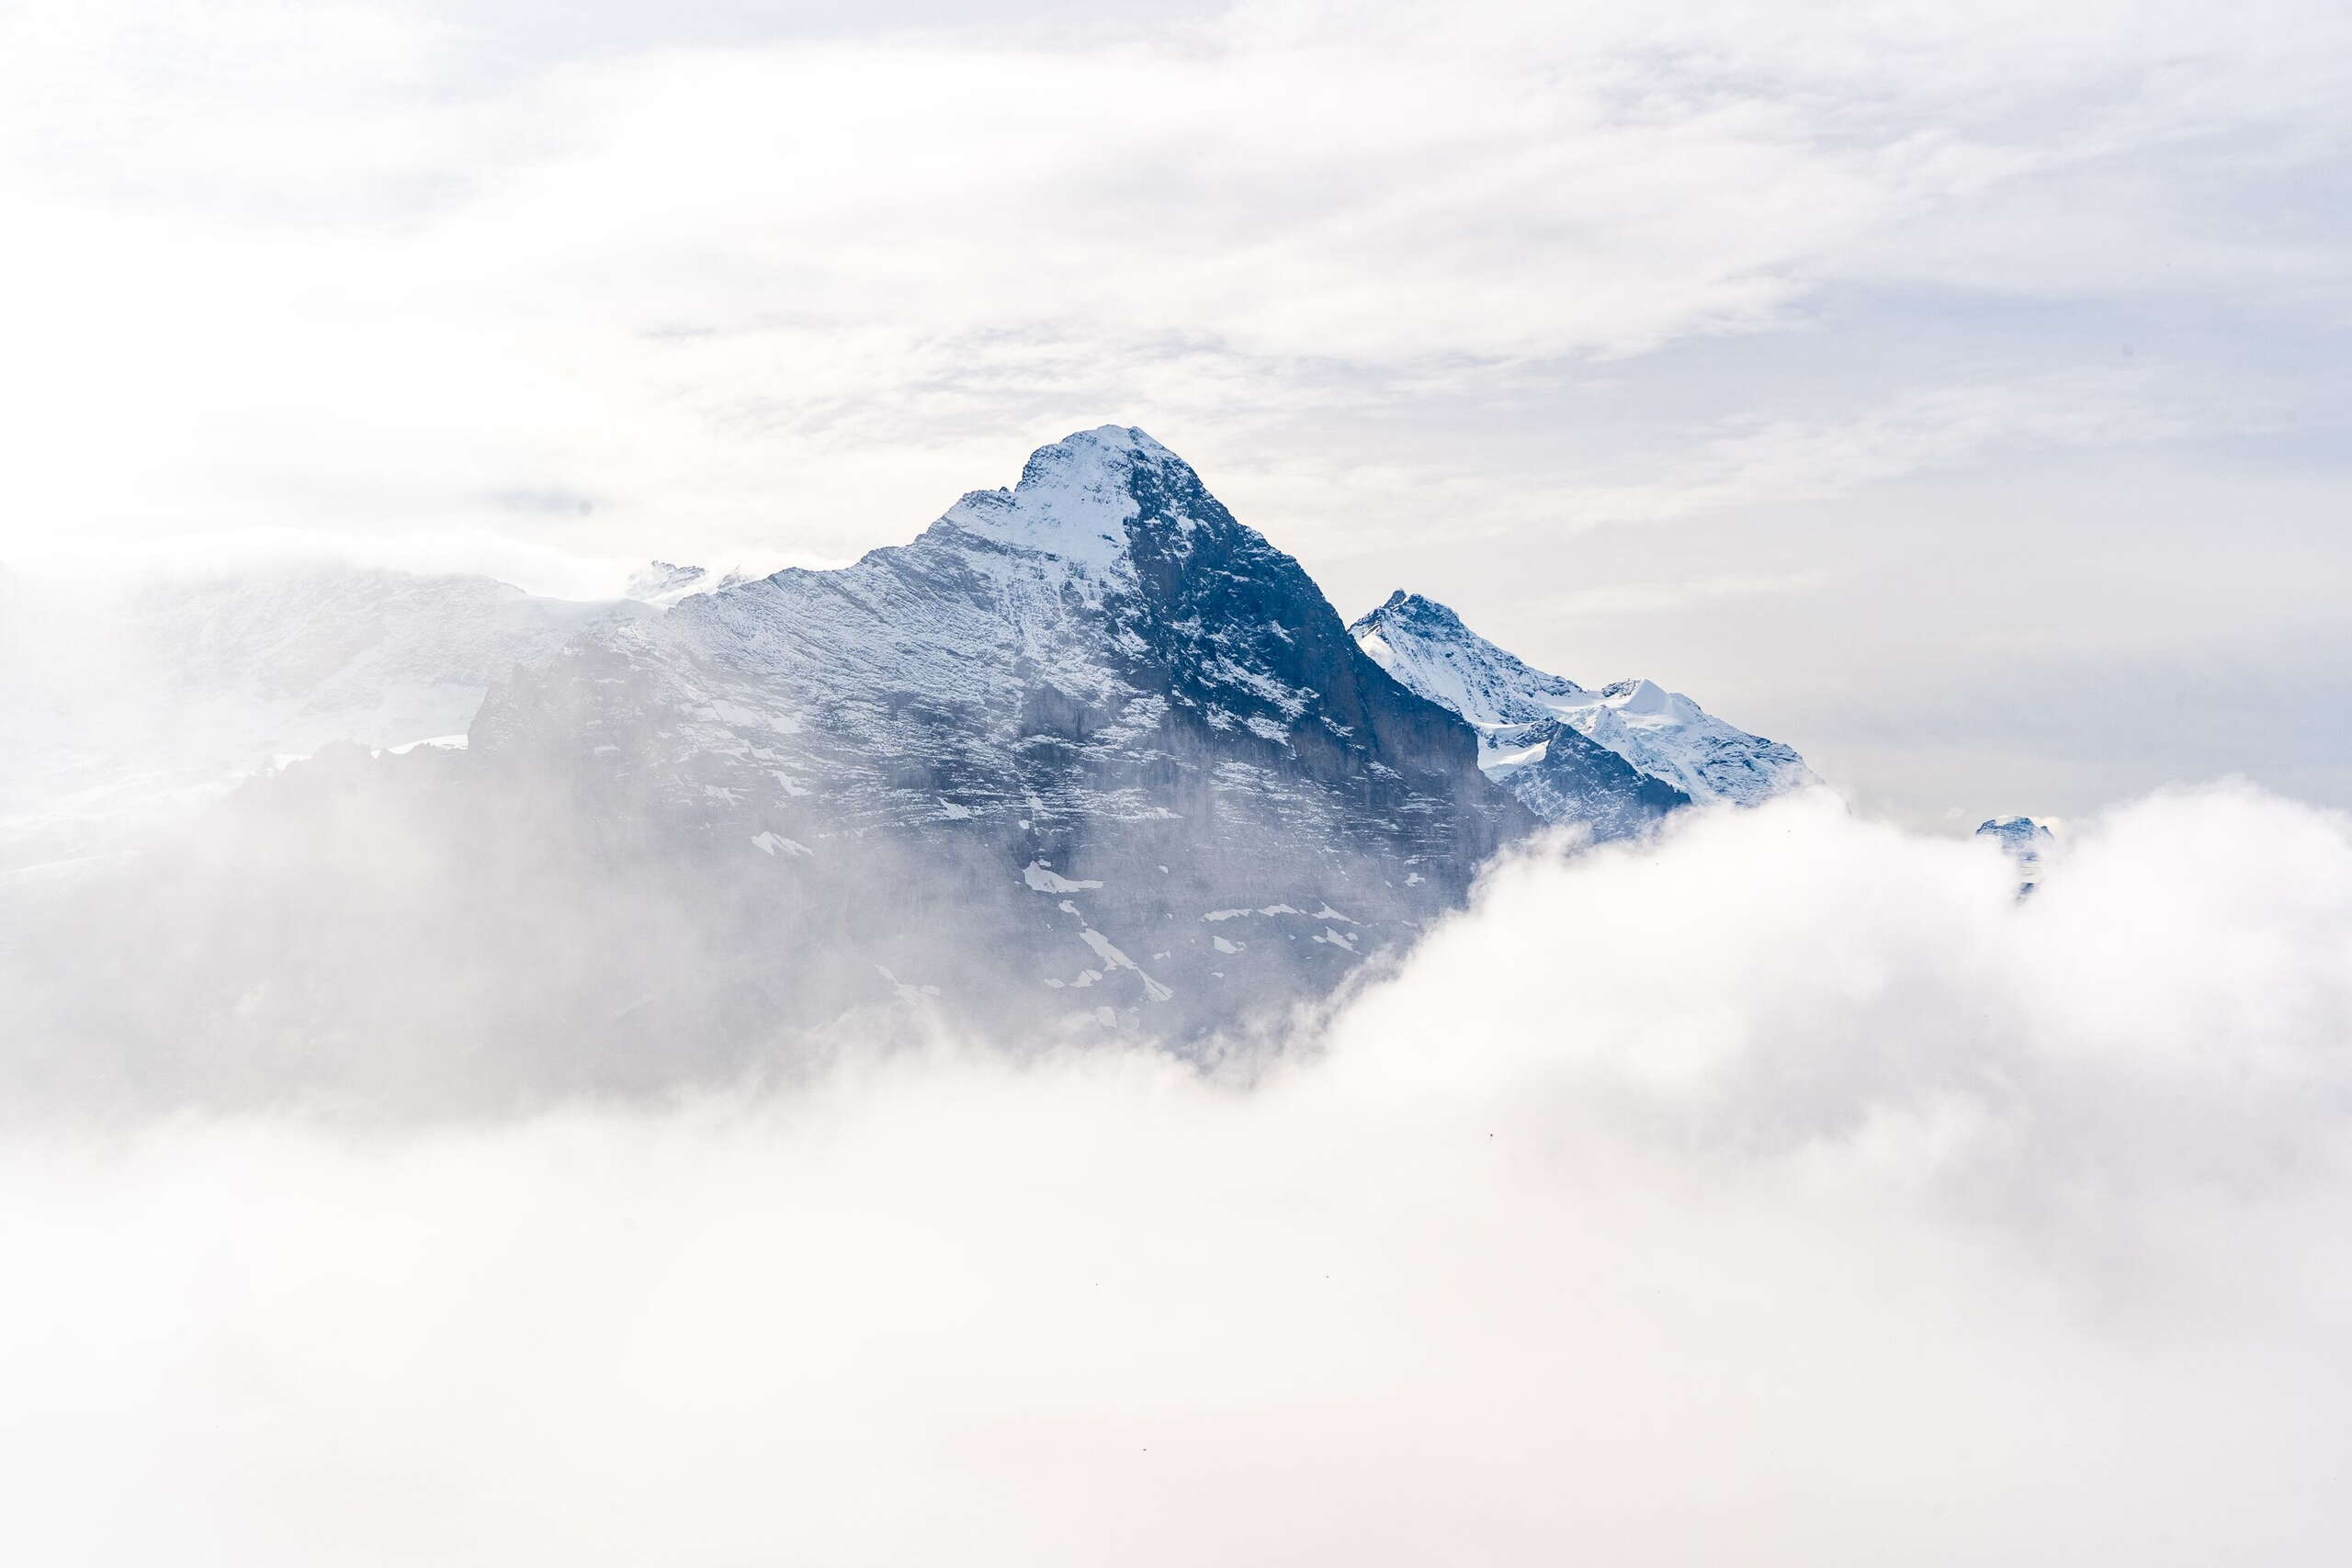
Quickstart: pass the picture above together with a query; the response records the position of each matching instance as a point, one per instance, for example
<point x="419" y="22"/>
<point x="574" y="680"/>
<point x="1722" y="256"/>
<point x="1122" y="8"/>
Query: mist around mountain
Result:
<point x="1089" y="758"/>
<point x="1047" y="1037"/>
<point x="1701" y="1197"/>
<point x="2028" y="844"/>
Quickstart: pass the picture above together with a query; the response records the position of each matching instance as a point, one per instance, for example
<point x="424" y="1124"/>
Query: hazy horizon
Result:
<point x="1955" y="395"/>
<point x="1042" y="1047"/>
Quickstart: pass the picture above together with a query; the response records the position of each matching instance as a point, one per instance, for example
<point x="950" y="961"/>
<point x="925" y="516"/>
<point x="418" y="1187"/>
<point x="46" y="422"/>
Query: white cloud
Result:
<point x="1759" y="284"/>
<point x="299" y="266"/>
<point x="1786" y="1193"/>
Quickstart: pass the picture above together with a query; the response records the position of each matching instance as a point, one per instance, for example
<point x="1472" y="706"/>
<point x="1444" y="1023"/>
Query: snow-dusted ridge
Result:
<point x="1087" y="752"/>
<point x="1058" y="688"/>
<point x="1077" y="500"/>
<point x="1525" y="717"/>
<point x="665" y="583"/>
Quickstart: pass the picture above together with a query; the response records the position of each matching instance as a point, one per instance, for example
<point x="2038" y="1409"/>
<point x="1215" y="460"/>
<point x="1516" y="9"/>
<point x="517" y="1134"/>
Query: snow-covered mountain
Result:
<point x="1122" y="736"/>
<point x="1611" y="757"/>
<point x="1087" y="756"/>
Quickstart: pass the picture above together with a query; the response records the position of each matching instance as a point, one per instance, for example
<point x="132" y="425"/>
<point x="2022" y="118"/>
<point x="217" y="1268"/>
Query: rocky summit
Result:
<point x="1087" y="757"/>
<point x="1125" y="741"/>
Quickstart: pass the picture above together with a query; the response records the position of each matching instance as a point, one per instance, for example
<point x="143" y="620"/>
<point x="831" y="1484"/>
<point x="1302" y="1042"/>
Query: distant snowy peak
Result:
<point x="1525" y="741"/>
<point x="1425" y="645"/>
<point x="666" y="583"/>
<point x="1670" y="736"/>
<point x="1661" y="734"/>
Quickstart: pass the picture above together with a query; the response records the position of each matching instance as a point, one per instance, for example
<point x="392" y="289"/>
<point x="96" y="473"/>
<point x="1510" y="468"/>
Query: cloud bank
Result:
<point x="1785" y="1192"/>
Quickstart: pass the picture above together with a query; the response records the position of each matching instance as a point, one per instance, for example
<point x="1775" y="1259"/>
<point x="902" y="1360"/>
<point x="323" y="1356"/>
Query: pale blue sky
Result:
<point x="1956" y="393"/>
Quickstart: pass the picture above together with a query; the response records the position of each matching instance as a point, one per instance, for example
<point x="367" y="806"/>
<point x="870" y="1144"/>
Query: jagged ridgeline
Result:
<point x="1614" y="759"/>
<point x="1088" y="756"/>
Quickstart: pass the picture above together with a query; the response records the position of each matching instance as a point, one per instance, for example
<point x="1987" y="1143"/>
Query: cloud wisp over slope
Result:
<point x="1784" y="1190"/>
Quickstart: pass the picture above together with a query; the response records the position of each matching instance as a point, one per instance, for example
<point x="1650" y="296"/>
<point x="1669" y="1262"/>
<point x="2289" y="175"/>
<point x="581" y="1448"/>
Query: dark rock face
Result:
<point x="1577" y="779"/>
<point x="1088" y="753"/>
<point x="1087" y="758"/>
<point x="1557" y="773"/>
<point x="1612" y="761"/>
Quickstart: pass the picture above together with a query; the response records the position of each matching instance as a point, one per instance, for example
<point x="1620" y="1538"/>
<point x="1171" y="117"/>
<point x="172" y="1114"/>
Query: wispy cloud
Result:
<point x="1722" y="1200"/>
<point x="306" y="265"/>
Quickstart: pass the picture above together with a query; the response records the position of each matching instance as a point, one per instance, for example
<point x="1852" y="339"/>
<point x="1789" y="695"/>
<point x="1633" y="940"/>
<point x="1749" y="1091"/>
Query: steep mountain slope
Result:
<point x="1611" y="757"/>
<point x="1122" y="737"/>
<point x="1086" y="757"/>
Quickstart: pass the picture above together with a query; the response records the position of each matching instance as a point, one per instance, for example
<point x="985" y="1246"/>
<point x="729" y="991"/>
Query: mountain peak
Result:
<point x="1107" y="457"/>
<point x="1077" y="497"/>
<point x="666" y="583"/>
<point x="1425" y="645"/>
<point x="1518" y="711"/>
<point x="1412" y="609"/>
<point x="1127" y="438"/>
<point x="1099" y="685"/>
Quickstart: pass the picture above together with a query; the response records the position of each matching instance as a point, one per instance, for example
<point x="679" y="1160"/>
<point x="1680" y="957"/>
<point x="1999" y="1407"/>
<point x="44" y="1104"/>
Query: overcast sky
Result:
<point x="1956" y="391"/>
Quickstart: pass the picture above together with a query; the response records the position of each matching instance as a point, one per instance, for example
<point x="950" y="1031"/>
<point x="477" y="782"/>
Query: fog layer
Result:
<point x="1783" y="1192"/>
